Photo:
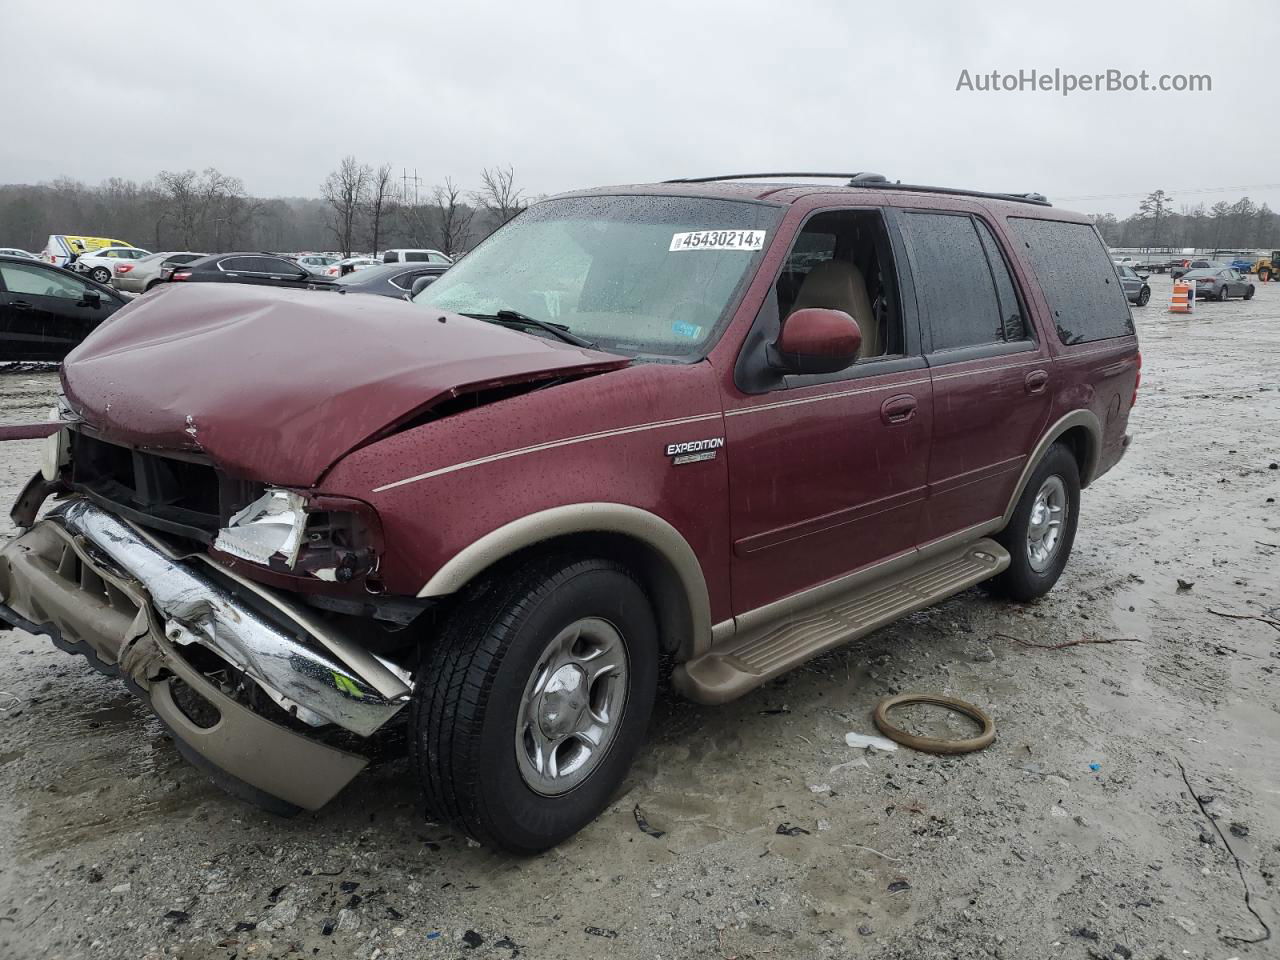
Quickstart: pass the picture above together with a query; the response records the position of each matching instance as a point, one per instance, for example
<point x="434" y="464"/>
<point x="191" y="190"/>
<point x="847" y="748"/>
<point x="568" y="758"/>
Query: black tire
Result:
<point x="1223" y="294"/>
<point x="101" y="274"/>
<point x="1021" y="581"/>
<point x="467" y="699"/>
<point x="1264" y="275"/>
<point x="150" y="284"/>
<point x="1248" y="294"/>
<point x="1144" y="296"/>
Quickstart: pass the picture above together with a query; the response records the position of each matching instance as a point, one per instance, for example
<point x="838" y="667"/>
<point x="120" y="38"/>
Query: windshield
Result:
<point x="640" y="274"/>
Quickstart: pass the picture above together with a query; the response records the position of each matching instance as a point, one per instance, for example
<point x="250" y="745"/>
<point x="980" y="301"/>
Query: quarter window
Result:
<point x="1012" y="324"/>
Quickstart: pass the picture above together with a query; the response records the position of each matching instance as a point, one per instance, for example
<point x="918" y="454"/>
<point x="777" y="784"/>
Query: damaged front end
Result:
<point x="250" y="685"/>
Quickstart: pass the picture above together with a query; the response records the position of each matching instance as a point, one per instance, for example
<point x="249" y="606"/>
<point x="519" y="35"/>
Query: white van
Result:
<point x="415" y="256"/>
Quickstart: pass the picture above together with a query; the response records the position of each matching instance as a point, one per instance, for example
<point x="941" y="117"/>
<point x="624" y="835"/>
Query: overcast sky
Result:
<point x="581" y="94"/>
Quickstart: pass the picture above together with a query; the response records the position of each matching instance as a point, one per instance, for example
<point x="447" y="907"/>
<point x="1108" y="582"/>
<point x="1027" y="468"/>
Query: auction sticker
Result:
<point x="718" y="240"/>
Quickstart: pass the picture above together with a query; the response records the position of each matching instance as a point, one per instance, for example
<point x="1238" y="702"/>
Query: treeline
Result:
<point x="1243" y="225"/>
<point x="360" y="209"/>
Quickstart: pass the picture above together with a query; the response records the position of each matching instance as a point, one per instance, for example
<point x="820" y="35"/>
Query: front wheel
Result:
<point x="529" y="709"/>
<point x="1264" y="275"/>
<point x="101" y="274"/>
<point x="1248" y="294"/>
<point x="1144" y="296"/>
<point x="1042" y="529"/>
<point x="1223" y="294"/>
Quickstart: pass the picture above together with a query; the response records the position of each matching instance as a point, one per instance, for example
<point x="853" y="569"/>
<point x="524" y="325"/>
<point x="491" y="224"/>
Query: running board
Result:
<point x="745" y="661"/>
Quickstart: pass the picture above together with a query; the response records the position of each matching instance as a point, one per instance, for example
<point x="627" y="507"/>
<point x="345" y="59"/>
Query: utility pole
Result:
<point x="405" y="180"/>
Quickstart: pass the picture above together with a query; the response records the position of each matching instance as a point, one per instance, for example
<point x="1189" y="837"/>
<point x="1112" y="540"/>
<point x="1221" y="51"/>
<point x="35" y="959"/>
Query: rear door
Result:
<point x="992" y="380"/>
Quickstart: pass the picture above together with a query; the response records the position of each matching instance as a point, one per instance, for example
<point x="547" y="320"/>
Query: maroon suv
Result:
<point x="736" y="423"/>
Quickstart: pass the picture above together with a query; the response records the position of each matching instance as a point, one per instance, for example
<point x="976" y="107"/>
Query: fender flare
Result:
<point x="1076" y="418"/>
<point x="684" y="606"/>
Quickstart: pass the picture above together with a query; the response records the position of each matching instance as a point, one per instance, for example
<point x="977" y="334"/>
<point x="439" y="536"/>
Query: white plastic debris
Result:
<point x="862" y="741"/>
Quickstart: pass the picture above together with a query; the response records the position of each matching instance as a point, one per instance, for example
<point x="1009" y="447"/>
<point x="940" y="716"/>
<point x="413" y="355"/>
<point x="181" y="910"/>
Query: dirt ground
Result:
<point x="1074" y="835"/>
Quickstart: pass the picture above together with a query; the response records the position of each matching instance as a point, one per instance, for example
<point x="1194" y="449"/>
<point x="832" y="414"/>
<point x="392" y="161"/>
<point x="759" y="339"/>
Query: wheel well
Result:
<point x="1081" y="444"/>
<point x="657" y="576"/>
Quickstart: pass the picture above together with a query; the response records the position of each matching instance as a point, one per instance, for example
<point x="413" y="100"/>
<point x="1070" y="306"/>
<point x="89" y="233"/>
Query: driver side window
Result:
<point x="33" y="281"/>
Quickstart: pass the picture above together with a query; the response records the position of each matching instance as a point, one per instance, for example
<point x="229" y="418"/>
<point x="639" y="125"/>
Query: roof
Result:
<point x="788" y="188"/>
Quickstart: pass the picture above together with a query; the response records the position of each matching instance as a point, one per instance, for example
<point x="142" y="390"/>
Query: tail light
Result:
<point x="123" y="268"/>
<point x="181" y="275"/>
<point x="1136" y="381"/>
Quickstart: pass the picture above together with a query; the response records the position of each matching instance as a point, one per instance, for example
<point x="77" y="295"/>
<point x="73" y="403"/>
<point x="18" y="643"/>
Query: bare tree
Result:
<point x="180" y="204"/>
<point x="381" y="200"/>
<point x="345" y="190"/>
<point x="453" y="217"/>
<point x="498" y="194"/>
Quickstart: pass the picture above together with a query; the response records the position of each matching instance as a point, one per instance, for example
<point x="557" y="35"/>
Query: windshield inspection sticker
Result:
<point x="718" y="240"/>
<point x="690" y="331"/>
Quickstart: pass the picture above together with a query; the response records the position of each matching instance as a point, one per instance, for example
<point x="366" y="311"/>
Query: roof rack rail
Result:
<point x="876" y="181"/>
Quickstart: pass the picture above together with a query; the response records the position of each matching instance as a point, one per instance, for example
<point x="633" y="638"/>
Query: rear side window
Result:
<point x="1072" y="267"/>
<point x="1011" y="322"/>
<point x="953" y="280"/>
<point x="417" y="256"/>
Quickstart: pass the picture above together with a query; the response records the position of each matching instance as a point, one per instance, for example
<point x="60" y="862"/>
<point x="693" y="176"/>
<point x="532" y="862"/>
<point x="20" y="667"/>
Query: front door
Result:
<point x="827" y="473"/>
<point x="43" y="312"/>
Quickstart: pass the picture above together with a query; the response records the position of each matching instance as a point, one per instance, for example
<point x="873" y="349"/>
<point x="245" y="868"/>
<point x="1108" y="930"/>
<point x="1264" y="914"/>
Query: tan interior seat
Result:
<point x="837" y="285"/>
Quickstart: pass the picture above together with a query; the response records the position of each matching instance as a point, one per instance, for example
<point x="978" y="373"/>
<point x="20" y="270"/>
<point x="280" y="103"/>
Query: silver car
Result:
<point x="1134" y="285"/>
<point x="315" y="263"/>
<point x="1219" y="283"/>
<point x="139" y="276"/>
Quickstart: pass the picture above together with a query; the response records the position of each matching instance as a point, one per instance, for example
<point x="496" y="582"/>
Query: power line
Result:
<point x="1189" y="190"/>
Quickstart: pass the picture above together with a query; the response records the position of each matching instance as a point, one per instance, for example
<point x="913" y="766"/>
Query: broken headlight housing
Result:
<point x="329" y="538"/>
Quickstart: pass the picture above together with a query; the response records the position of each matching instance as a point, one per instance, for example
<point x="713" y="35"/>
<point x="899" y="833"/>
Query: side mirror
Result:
<point x="1144" y="277"/>
<point x="92" y="298"/>
<point x="816" y="340"/>
<point x="420" y="284"/>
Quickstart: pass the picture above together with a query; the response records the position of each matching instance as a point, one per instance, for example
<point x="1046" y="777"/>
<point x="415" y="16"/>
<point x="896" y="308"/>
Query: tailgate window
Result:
<point x="1077" y="277"/>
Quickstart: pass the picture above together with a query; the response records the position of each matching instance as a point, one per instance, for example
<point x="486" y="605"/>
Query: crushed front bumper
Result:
<point x="100" y="587"/>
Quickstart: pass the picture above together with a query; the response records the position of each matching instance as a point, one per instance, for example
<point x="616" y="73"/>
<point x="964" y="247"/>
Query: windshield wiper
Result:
<point x="514" y="318"/>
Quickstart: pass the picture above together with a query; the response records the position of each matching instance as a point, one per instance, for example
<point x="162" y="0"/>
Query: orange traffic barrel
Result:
<point x="1184" y="297"/>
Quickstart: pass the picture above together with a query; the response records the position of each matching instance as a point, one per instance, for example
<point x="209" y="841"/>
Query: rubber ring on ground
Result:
<point x="935" y="744"/>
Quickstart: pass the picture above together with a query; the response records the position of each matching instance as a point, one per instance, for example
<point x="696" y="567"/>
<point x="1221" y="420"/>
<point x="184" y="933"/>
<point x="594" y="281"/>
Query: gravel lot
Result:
<point x="112" y="846"/>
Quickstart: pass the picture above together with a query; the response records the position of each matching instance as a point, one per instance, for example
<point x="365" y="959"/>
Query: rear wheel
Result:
<point x="529" y="709"/>
<point x="1042" y="529"/>
<point x="1264" y="275"/>
<point x="1248" y="294"/>
<point x="101" y="274"/>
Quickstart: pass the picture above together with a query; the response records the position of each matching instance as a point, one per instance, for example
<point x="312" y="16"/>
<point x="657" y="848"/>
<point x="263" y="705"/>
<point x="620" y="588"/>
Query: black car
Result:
<point x="390" y="279"/>
<point x="47" y="310"/>
<point x="262" y="268"/>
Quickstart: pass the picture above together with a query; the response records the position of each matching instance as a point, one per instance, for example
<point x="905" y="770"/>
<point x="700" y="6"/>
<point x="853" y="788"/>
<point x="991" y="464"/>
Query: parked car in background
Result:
<point x="341" y="268"/>
<point x="62" y="249"/>
<point x="139" y="276"/>
<point x="17" y="252"/>
<point x="410" y="255"/>
<point x="390" y="279"/>
<point x="1243" y="264"/>
<point x="1181" y="267"/>
<point x="1220" y="283"/>
<point x="1135" y="285"/>
<point x="45" y="310"/>
<point x="101" y="264"/>
<point x="261" y="268"/>
<point x="316" y="263"/>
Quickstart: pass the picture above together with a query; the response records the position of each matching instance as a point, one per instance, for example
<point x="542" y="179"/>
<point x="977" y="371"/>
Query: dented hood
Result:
<point x="277" y="385"/>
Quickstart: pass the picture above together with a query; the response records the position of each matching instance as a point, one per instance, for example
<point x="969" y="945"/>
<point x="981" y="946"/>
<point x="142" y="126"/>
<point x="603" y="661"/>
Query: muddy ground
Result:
<point x="1074" y="835"/>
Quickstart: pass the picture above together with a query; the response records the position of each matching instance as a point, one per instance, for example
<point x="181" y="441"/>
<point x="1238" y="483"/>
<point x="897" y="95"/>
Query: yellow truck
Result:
<point x="62" y="249"/>
<point x="1267" y="266"/>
